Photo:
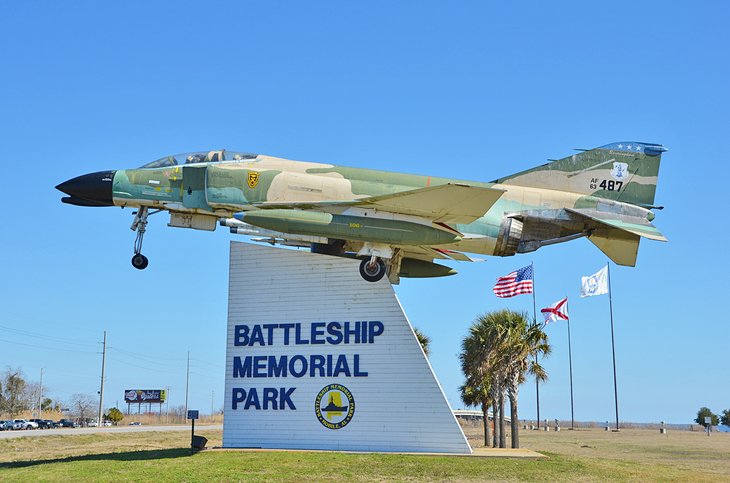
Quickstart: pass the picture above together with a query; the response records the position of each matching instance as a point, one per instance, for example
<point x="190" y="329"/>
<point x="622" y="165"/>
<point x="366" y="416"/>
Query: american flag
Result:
<point x="516" y="283"/>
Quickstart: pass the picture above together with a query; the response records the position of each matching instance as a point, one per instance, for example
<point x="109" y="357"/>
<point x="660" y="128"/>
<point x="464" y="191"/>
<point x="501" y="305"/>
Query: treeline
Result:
<point x="18" y="395"/>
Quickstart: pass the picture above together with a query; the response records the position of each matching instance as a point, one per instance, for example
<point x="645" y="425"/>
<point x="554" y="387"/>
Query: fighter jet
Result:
<point x="396" y="224"/>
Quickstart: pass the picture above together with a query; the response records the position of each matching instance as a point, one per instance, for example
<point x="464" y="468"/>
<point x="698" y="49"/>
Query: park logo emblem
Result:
<point x="334" y="406"/>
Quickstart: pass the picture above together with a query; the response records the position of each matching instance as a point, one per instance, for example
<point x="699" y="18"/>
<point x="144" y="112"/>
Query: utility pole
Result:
<point x="187" y="385"/>
<point x="101" y="390"/>
<point x="167" y="406"/>
<point x="40" y="397"/>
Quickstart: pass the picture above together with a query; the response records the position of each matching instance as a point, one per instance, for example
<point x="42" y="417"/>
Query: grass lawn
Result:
<point x="587" y="455"/>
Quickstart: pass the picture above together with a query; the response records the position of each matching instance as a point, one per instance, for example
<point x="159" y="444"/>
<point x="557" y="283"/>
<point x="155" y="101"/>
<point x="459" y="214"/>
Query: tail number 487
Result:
<point x="607" y="184"/>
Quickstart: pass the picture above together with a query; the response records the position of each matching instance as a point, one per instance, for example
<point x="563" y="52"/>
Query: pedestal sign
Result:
<point x="193" y="414"/>
<point x="318" y="358"/>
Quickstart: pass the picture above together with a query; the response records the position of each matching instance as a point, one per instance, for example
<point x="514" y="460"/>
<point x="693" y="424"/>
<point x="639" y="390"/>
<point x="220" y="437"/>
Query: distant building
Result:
<point x="474" y="415"/>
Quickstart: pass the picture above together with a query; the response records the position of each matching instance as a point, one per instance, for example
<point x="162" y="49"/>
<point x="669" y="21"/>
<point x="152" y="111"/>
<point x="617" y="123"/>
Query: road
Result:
<point x="117" y="429"/>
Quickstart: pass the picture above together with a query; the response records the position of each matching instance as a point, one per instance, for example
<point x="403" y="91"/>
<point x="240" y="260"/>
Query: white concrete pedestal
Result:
<point x="318" y="358"/>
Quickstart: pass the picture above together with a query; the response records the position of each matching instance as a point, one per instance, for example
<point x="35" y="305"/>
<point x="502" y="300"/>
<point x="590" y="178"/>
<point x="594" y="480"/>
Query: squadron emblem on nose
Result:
<point x="253" y="179"/>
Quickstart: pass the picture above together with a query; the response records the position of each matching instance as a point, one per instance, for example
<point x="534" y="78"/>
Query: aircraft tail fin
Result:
<point x="623" y="171"/>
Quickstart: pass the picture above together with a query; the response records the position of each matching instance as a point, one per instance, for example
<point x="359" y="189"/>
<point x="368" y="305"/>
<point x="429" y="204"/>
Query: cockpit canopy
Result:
<point x="199" y="157"/>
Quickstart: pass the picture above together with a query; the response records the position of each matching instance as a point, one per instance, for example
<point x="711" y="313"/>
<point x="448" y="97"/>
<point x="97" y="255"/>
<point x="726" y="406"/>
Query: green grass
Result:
<point x="163" y="456"/>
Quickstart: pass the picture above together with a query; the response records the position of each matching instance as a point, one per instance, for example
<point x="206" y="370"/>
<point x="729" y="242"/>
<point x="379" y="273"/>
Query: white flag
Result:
<point x="596" y="284"/>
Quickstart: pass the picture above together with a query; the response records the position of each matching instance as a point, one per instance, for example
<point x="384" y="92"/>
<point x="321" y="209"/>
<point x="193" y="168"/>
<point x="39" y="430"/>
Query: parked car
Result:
<point x="52" y="424"/>
<point x="6" y="425"/>
<point x="135" y="423"/>
<point x="67" y="423"/>
<point x="107" y="423"/>
<point x="24" y="424"/>
<point x="42" y="423"/>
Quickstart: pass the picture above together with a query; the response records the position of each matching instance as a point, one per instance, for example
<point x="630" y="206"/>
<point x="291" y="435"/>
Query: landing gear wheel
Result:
<point x="139" y="261"/>
<point x="139" y="225"/>
<point x="372" y="270"/>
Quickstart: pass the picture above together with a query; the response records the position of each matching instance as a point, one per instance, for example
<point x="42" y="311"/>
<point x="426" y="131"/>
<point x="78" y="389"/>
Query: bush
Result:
<point x="704" y="413"/>
<point x="114" y="415"/>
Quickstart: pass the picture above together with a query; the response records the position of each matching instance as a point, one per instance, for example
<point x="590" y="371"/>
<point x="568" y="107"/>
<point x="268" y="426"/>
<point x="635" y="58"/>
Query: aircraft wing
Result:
<point x="448" y="203"/>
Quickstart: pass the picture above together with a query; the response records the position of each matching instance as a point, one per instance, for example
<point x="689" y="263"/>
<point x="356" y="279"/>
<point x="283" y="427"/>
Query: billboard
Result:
<point x="318" y="358"/>
<point x="145" y="395"/>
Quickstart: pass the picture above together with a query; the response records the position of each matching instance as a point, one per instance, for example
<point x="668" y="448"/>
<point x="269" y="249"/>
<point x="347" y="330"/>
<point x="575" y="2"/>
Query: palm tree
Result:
<point x="478" y="365"/>
<point x="478" y="395"/>
<point x="495" y="358"/>
<point x="424" y="340"/>
<point x="495" y="435"/>
<point x="522" y="341"/>
<point x="475" y="392"/>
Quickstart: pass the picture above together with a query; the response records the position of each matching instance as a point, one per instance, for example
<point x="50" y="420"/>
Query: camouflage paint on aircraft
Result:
<point x="605" y="194"/>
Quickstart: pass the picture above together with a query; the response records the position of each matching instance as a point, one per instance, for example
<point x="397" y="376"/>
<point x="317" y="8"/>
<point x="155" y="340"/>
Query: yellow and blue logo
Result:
<point x="253" y="179"/>
<point x="334" y="406"/>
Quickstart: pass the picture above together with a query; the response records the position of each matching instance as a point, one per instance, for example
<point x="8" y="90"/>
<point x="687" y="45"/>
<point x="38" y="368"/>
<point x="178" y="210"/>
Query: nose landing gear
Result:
<point x="139" y="261"/>
<point x="139" y="225"/>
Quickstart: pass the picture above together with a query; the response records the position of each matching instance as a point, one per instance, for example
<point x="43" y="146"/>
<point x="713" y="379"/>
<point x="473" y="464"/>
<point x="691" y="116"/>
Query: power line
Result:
<point x="207" y="370"/>
<point x="24" y="317"/>
<point x="140" y="367"/>
<point x="47" y="348"/>
<point x="203" y="375"/>
<point x="70" y="374"/>
<point x="205" y="362"/>
<point x="166" y="370"/>
<point x="142" y="358"/>
<point x="39" y="335"/>
<point x="140" y="355"/>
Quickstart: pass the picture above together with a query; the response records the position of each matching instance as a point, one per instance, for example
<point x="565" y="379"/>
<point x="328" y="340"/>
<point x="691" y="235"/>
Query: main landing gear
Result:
<point x="139" y="225"/>
<point x="372" y="269"/>
<point x="379" y="260"/>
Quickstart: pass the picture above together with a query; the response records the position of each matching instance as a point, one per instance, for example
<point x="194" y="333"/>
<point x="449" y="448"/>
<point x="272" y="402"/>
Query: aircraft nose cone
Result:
<point x="93" y="189"/>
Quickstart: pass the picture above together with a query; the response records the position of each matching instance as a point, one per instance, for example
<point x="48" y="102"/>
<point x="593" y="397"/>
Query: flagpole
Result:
<point x="613" y="343"/>
<point x="570" y="363"/>
<point x="534" y="321"/>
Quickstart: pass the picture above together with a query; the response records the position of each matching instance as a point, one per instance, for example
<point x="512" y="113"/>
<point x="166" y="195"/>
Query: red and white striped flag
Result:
<point x="516" y="283"/>
<point x="557" y="311"/>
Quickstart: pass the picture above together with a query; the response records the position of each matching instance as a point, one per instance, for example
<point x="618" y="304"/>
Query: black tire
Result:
<point x="139" y="261"/>
<point x="372" y="273"/>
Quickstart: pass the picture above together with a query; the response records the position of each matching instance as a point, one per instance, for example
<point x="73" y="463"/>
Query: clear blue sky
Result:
<point x="468" y="90"/>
